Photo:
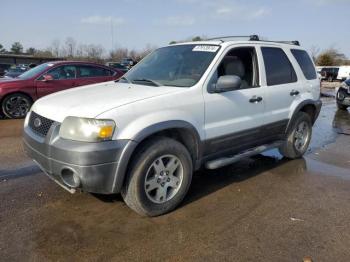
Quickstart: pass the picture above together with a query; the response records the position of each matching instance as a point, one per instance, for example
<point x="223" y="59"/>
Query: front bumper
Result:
<point x="343" y="96"/>
<point x="92" y="167"/>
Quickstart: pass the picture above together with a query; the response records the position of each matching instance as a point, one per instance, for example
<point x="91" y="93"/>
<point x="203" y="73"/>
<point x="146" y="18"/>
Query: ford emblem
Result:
<point x="37" y="122"/>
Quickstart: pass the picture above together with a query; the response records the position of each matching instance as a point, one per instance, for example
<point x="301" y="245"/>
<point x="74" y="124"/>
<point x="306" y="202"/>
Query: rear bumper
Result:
<point x="92" y="167"/>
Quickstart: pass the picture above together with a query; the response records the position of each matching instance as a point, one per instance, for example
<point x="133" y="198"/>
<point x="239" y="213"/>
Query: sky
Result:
<point x="136" y="23"/>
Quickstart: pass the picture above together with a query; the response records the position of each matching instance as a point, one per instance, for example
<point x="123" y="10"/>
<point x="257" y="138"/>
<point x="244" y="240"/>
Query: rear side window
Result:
<point x="305" y="63"/>
<point x="279" y="69"/>
<point x="93" y="71"/>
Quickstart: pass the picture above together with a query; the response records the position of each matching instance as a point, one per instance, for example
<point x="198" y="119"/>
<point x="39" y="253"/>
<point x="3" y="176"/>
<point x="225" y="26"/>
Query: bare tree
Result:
<point x="55" y="47"/>
<point x="314" y="51"/>
<point x="118" y="54"/>
<point x="70" y="46"/>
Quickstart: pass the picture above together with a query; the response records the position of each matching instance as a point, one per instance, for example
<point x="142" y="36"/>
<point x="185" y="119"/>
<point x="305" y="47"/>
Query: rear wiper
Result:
<point x="123" y="78"/>
<point x="155" y="83"/>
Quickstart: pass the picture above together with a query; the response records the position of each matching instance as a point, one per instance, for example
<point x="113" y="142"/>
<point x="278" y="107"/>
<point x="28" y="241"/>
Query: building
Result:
<point x="25" y="59"/>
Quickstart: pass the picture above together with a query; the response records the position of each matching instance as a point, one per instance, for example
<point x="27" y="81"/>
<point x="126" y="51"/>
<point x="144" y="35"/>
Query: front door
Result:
<point x="233" y="119"/>
<point x="62" y="78"/>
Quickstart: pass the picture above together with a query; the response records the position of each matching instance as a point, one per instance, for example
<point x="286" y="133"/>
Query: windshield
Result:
<point x="181" y="66"/>
<point x="34" y="71"/>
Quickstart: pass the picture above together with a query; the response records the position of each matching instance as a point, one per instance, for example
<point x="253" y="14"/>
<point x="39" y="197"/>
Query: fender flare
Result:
<point x="316" y="103"/>
<point x="125" y="157"/>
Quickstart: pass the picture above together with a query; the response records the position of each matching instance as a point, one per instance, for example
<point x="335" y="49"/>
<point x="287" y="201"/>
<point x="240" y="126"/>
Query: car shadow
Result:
<point x="206" y="182"/>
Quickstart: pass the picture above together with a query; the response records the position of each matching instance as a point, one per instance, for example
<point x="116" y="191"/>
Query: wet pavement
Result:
<point x="264" y="208"/>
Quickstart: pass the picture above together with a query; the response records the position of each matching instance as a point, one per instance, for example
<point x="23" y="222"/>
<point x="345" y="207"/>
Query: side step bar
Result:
<point x="224" y="161"/>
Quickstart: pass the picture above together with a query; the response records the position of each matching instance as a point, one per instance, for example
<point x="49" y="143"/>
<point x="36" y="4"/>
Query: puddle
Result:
<point x="322" y="168"/>
<point x="341" y="122"/>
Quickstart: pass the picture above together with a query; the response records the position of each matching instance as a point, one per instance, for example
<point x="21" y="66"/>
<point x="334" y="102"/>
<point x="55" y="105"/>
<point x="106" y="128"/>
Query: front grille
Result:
<point x="39" y="124"/>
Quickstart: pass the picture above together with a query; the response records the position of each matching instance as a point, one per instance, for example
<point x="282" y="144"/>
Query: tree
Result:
<point x="70" y="48"/>
<point x="2" y="49"/>
<point x="197" y="38"/>
<point x="314" y="51"/>
<point x="17" y="48"/>
<point x="172" y="42"/>
<point x="31" y="51"/>
<point x="55" y="47"/>
<point x="331" y="57"/>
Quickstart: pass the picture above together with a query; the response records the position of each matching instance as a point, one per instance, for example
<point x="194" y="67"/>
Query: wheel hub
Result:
<point x="301" y="136"/>
<point x="163" y="178"/>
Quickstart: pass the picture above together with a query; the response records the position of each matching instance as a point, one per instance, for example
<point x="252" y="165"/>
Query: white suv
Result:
<point x="184" y="106"/>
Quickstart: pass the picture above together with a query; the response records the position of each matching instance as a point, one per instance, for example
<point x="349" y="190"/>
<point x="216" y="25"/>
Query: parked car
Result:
<point x="14" y="72"/>
<point x="182" y="107"/>
<point x="128" y="62"/>
<point x="343" y="73"/>
<point x="118" y="66"/>
<point x="343" y="95"/>
<point x="18" y="94"/>
<point x="4" y="68"/>
<point x="329" y="73"/>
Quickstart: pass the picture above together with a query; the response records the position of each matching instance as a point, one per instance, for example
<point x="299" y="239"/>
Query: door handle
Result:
<point x="294" y="92"/>
<point x="255" y="99"/>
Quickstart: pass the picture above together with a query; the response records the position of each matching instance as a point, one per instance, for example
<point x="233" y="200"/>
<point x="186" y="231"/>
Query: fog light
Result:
<point x="70" y="178"/>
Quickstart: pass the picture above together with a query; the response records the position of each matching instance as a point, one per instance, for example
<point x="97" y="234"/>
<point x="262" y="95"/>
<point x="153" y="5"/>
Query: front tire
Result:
<point x="159" y="178"/>
<point x="16" y="106"/>
<point x="298" y="137"/>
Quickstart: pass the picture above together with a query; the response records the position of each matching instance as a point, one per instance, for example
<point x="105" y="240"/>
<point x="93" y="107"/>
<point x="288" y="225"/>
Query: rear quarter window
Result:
<point x="279" y="69"/>
<point x="305" y="63"/>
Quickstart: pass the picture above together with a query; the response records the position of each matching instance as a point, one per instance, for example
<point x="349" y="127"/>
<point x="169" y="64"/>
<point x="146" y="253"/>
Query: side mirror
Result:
<point x="48" y="78"/>
<point x="228" y="83"/>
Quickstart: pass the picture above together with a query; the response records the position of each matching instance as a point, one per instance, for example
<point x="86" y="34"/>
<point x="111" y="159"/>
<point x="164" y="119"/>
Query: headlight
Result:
<point x="87" y="129"/>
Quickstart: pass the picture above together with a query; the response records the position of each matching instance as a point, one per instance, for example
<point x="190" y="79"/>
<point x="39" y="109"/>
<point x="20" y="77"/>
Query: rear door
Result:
<point x="311" y="83"/>
<point x="282" y="88"/>
<point x="90" y="74"/>
<point x="63" y="77"/>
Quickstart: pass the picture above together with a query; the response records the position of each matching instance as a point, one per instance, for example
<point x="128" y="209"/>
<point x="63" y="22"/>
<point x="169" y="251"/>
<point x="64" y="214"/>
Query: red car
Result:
<point x="18" y="94"/>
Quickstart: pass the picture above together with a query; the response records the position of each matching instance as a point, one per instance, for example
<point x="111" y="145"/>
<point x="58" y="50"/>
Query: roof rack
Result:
<point x="250" y="37"/>
<point x="253" y="38"/>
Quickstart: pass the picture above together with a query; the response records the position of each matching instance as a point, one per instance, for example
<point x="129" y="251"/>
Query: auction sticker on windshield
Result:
<point x="206" y="48"/>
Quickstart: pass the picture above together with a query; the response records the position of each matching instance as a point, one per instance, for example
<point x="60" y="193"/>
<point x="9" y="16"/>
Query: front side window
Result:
<point x="279" y="69"/>
<point x="93" y="71"/>
<point x="241" y="62"/>
<point x="63" y="72"/>
<point x="178" y="65"/>
<point x="305" y="63"/>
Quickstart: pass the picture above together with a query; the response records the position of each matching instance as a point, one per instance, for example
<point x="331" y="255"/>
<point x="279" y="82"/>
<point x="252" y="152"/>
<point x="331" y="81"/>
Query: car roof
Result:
<point x="226" y="43"/>
<point x="73" y="62"/>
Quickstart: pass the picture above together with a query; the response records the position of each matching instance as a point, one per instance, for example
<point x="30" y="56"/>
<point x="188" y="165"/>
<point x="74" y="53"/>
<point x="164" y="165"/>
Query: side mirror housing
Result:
<point x="48" y="78"/>
<point x="228" y="83"/>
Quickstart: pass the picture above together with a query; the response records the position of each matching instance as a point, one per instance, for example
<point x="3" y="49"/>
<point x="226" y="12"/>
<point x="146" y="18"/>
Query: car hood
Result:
<point x="92" y="100"/>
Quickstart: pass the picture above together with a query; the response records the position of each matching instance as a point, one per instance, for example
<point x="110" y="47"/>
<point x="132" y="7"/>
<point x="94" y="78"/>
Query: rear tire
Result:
<point x="298" y="137"/>
<point x="159" y="178"/>
<point x="16" y="106"/>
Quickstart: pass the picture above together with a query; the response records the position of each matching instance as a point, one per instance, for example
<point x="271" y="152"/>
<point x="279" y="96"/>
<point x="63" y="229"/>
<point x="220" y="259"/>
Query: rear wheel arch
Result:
<point x="309" y="107"/>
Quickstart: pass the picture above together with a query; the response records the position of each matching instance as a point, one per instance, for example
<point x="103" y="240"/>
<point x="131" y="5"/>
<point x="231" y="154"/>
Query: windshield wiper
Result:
<point x="123" y="78"/>
<point x="155" y="83"/>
